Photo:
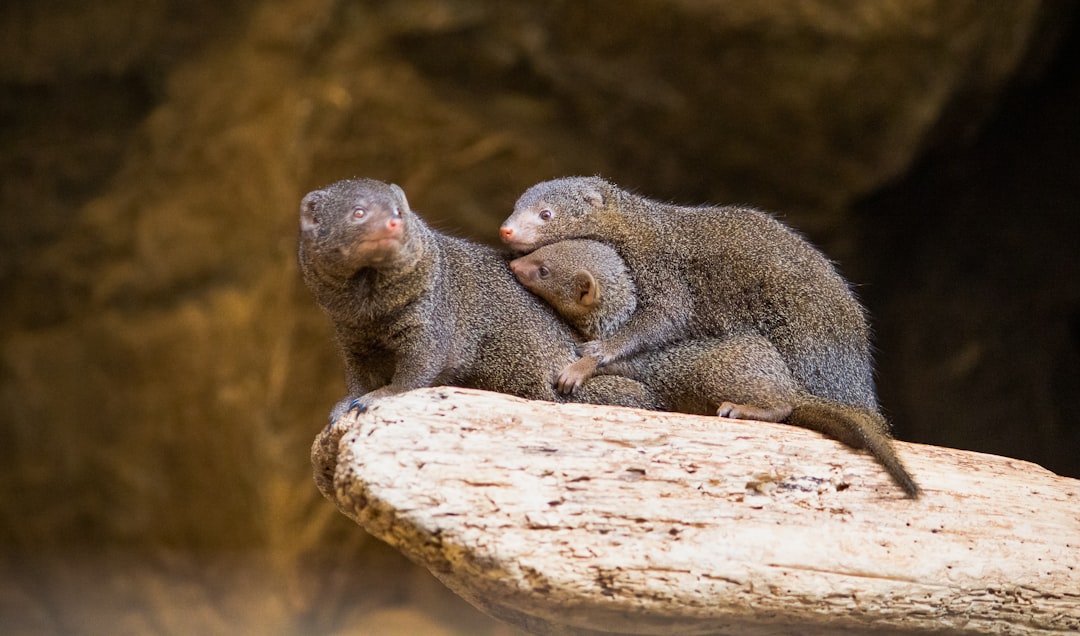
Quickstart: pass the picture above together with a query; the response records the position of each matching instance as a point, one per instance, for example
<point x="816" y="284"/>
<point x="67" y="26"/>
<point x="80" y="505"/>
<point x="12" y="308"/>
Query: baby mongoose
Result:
<point x="412" y="307"/>
<point x="709" y="271"/>
<point x="741" y="376"/>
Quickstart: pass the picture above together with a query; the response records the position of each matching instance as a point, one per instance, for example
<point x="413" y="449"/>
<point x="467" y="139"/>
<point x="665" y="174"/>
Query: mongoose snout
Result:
<point x="525" y="271"/>
<point x="520" y="234"/>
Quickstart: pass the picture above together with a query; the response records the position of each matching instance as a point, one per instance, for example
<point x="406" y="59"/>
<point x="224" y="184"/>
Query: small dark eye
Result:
<point x="543" y="271"/>
<point x="359" y="213"/>
<point x="397" y="211"/>
<point x="546" y="214"/>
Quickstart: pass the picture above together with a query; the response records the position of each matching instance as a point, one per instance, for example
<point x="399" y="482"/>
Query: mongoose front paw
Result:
<point x="357" y="404"/>
<point x="362" y="403"/>
<point x="574" y="375"/>
<point x="594" y="349"/>
<point x="340" y="409"/>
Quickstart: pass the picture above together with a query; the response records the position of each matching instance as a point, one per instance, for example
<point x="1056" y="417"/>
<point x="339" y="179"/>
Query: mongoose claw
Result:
<point x="567" y="383"/>
<point x="344" y="406"/>
<point x="348" y="405"/>
<point x="574" y="375"/>
<point x="362" y="403"/>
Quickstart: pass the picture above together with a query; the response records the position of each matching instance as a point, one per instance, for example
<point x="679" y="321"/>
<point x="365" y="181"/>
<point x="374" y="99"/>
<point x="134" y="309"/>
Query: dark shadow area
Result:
<point x="976" y="281"/>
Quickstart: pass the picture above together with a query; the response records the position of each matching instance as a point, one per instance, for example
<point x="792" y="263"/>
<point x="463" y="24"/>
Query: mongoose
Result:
<point x="709" y="271"/>
<point x="412" y="307"/>
<point x="741" y="376"/>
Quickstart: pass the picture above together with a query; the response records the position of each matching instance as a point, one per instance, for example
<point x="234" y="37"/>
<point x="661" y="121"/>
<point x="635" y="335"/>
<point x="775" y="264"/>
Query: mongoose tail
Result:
<point x="856" y="428"/>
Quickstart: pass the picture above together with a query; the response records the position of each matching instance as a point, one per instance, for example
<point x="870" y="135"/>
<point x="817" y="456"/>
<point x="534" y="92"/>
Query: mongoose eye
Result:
<point x="546" y="214"/>
<point x="543" y="272"/>
<point x="359" y="213"/>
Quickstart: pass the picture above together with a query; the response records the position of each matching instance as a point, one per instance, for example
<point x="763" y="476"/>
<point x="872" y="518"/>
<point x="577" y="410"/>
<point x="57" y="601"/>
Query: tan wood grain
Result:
<point x="587" y="519"/>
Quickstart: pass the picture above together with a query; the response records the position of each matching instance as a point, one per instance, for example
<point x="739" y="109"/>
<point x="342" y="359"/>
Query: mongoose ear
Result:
<point x="401" y="193"/>
<point x="586" y="288"/>
<point x="308" y="220"/>
<point x="593" y="198"/>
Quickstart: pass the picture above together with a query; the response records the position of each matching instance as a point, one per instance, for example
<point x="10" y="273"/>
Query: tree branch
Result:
<point x="583" y="519"/>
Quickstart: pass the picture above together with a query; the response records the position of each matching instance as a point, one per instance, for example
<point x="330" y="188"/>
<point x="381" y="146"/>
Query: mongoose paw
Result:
<point x="594" y="349"/>
<point x="353" y="404"/>
<point x="748" y="412"/>
<point x="362" y="403"/>
<point x="574" y="375"/>
<point x="340" y="409"/>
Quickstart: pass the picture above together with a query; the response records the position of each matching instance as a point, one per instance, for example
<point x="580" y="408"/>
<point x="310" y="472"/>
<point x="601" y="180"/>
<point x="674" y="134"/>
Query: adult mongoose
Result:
<point x="710" y="271"/>
<point x="412" y="307"/>
<point x="741" y="375"/>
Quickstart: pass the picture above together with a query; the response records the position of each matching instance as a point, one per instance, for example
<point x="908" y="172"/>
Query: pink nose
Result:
<point x="506" y="232"/>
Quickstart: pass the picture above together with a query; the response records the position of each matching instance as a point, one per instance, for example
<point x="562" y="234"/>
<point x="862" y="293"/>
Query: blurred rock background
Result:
<point x="163" y="371"/>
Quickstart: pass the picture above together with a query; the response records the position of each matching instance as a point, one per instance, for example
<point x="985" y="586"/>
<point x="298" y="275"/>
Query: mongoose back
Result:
<point x="710" y="271"/>
<point x="412" y="307"/>
<point x="741" y="375"/>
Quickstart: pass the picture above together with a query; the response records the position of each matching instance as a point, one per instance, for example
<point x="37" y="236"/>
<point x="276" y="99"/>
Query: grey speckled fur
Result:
<point x="711" y="271"/>
<point x="589" y="284"/>
<point x="421" y="308"/>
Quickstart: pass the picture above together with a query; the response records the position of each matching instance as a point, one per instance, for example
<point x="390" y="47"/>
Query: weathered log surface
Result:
<point x="582" y="519"/>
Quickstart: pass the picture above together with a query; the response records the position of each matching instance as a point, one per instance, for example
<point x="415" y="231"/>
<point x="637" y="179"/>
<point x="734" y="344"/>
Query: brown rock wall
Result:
<point x="162" y="370"/>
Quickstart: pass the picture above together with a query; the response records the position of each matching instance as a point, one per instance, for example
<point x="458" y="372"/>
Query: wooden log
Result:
<point x="577" y="519"/>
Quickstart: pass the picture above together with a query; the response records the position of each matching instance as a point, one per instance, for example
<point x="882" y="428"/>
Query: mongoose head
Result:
<point x="585" y="281"/>
<point x="353" y="224"/>
<point x="572" y="207"/>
